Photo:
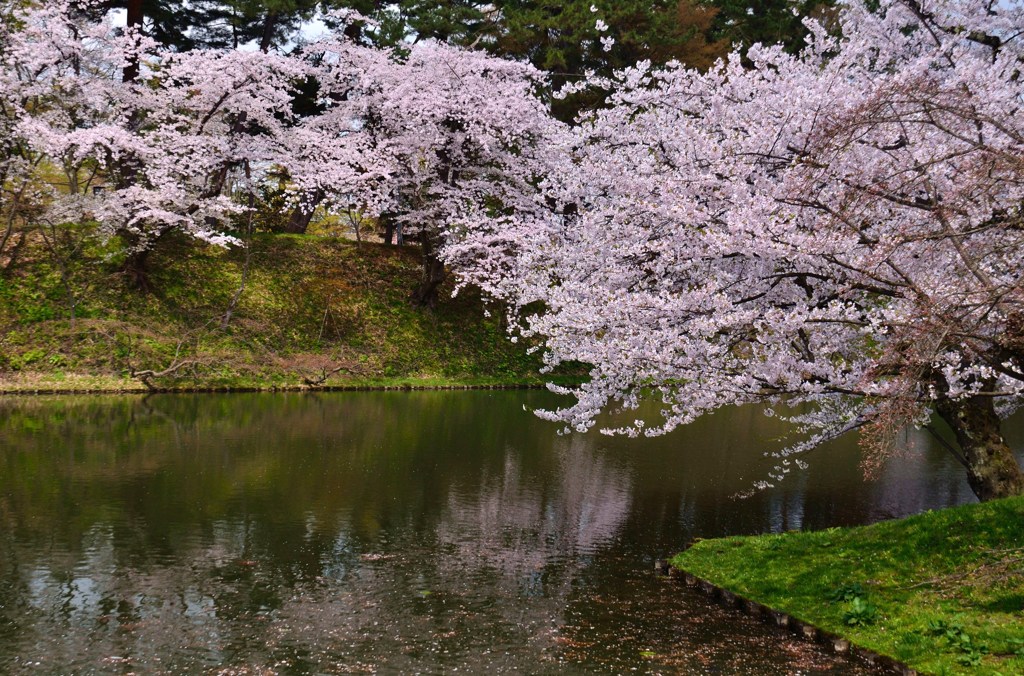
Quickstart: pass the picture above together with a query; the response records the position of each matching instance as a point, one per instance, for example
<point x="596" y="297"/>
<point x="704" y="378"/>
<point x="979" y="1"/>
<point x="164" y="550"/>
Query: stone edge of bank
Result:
<point x="804" y="630"/>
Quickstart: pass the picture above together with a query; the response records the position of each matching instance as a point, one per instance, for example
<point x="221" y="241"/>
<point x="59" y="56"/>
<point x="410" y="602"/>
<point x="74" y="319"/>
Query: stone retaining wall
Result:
<point x="808" y="632"/>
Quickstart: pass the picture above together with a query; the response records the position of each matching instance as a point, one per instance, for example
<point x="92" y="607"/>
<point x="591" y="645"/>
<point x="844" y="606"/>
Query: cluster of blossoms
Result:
<point x="842" y="228"/>
<point x="150" y="141"/>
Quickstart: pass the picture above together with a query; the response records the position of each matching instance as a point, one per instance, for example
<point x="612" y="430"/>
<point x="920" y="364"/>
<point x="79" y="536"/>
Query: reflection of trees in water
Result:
<point x="923" y="477"/>
<point x="521" y="525"/>
<point x="684" y="483"/>
<point x="249" y="532"/>
<point x="215" y="608"/>
<point x="201" y="459"/>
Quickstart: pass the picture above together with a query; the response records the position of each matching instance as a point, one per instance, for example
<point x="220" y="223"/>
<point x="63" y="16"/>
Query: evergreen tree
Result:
<point x="166" y="21"/>
<point x="266" y="23"/>
<point x="454" y="21"/>
<point x="570" y="38"/>
<point x="767" y="21"/>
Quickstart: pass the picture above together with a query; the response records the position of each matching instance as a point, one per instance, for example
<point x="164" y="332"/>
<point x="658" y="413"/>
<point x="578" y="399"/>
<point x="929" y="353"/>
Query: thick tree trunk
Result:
<point x="302" y="214"/>
<point x="992" y="470"/>
<point x="136" y="270"/>
<point x="135" y="19"/>
<point x="136" y="265"/>
<point x="269" y="25"/>
<point x="433" y="274"/>
<point x="298" y="221"/>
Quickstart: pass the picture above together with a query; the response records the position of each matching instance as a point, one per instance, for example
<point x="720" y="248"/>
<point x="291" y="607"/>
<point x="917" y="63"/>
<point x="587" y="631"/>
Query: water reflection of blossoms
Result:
<point x="524" y="528"/>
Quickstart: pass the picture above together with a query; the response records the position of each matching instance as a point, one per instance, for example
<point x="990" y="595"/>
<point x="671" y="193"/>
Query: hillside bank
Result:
<point x="310" y="312"/>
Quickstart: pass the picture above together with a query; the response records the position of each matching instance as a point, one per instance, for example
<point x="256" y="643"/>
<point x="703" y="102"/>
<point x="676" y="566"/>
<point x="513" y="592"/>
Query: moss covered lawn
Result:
<point x="313" y="309"/>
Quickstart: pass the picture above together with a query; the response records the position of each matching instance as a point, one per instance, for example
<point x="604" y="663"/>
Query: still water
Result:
<point x="430" y="532"/>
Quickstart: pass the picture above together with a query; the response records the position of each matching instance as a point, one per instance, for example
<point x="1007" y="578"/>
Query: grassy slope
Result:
<point x="310" y="306"/>
<point x="947" y="586"/>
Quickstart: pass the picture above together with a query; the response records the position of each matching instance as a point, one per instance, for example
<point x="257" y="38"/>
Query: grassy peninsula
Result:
<point x="941" y="591"/>
<point x="310" y="311"/>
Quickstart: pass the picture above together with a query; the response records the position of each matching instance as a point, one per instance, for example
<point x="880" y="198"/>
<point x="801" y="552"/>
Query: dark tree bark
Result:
<point x="992" y="470"/>
<point x="135" y="18"/>
<point x="134" y="12"/>
<point x="136" y="265"/>
<point x="298" y="221"/>
<point x="302" y="214"/>
<point x="433" y="273"/>
<point x="136" y="270"/>
<point x="389" y="228"/>
<point x="269" y="25"/>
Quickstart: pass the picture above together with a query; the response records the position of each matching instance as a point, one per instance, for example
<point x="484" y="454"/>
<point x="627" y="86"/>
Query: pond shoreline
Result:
<point x="251" y="390"/>
<point x="106" y="386"/>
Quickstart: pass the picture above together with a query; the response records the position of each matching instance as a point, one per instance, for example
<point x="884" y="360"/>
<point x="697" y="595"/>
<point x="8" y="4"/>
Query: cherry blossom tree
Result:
<point x="153" y="141"/>
<point x="148" y="156"/>
<point x="16" y="172"/>
<point x="839" y="229"/>
<point x="438" y="138"/>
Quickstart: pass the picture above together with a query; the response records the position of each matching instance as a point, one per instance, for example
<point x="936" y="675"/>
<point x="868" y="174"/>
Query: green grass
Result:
<point x="942" y="591"/>
<point x="311" y="305"/>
